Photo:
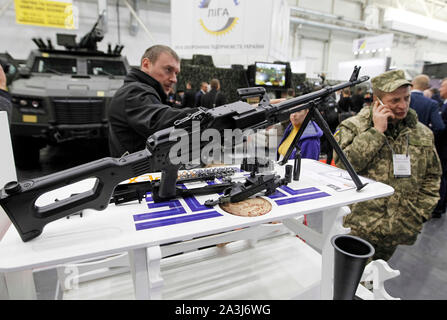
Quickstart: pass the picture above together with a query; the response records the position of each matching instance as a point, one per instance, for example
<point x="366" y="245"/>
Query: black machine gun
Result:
<point x="18" y="199"/>
<point x="89" y="41"/>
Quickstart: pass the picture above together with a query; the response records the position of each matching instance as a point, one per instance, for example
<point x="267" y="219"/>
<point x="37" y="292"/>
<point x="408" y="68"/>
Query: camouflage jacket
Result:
<point x="398" y="218"/>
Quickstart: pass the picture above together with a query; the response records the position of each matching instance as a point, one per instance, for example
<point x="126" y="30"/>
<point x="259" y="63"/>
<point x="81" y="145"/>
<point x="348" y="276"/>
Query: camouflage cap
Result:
<point x="390" y="81"/>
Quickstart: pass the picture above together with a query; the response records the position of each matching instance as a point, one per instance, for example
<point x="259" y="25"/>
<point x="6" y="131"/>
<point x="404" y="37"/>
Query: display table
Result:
<point x="149" y="231"/>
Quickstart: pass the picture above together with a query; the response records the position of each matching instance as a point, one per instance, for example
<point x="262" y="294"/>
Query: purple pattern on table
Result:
<point x="294" y="192"/>
<point x="177" y="220"/>
<point x="306" y="197"/>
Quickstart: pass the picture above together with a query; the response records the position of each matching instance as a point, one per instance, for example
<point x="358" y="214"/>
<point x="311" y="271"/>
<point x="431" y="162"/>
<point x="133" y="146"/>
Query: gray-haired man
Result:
<point x="386" y="143"/>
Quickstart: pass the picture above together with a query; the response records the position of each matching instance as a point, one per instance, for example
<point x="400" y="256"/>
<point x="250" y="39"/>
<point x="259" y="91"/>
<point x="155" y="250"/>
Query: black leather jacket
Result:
<point x="138" y="109"/>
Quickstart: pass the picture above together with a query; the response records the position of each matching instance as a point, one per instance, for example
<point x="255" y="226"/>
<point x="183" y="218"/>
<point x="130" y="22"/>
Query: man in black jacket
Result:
<point x="139" y="108"/>
<point x="189" y="98"/>
<point x="441" y="147"/>
<point x="358" y="100"/>
<point x="198" y="97"/>
<point x="214" y="98"/>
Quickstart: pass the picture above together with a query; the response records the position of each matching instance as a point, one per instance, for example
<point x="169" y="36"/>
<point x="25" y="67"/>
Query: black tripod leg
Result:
<point x="328" y="134"/>
<point x="297" y="166"/>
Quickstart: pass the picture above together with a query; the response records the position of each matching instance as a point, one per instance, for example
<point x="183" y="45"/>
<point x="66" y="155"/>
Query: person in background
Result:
<point x="203" y="90"/>
<point x="309" y="142"/>
<point x="189" y="98"/>
<point x="443" y="98"/>
<point x="358" y="100"/>
<point x="441" y="147"/>
<point x="388" y="144"/>
<point x="435" y="95"/>
<point x="345" y="105"/>
<point x="368" y="99"/>
<point x="170" y="100"/>
<point x="214" y="98"/>
<point x="426" y="109"/>
<point x="290" y="93"/>
<point x="178" y="98"/>
<point x="338" y="95"/>
<point x="5" y="97"/>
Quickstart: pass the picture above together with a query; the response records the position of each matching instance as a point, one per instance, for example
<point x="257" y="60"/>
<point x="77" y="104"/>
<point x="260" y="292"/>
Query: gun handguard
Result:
<point x="18" y="199"/>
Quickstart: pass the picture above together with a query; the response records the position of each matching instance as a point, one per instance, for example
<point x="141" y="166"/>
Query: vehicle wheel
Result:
<point x="26" y="152"/>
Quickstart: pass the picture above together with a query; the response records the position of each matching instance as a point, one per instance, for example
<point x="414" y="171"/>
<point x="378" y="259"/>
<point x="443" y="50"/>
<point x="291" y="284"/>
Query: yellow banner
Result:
<point x="45" y="13"/>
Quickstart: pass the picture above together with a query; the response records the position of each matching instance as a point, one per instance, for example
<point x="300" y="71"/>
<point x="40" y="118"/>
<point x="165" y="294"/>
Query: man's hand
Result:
<point x="2" y="79"/>
<point x="381" y="113"/>
<point x="275" y="101"/>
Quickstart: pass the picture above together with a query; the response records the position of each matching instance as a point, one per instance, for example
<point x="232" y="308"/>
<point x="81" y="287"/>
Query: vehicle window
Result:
<point x="55" y="65"/>
<point x="106" y="67"/>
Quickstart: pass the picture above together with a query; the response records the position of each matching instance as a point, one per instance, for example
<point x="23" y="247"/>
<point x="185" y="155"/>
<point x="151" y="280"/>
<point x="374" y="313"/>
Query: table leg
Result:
<point x="332" y="225"/>
<point x="3" y="288"/>
<point x="20" y="285"/>
<point x="155" y="279"/>
<point x="145" y="269"/>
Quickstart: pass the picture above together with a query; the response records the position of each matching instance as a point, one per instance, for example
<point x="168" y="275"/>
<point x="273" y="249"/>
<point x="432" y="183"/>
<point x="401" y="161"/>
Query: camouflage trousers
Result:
<point x="383" y="250"/>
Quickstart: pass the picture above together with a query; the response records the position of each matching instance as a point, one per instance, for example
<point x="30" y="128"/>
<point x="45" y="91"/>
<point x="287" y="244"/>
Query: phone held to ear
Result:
<point x="390" y="119"/>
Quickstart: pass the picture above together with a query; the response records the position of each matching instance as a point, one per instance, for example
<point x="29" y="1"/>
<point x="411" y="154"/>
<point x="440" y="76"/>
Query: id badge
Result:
<point x="401" y="165"/>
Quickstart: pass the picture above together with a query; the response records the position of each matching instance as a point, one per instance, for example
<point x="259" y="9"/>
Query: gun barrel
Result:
<point x="317" y="94"/>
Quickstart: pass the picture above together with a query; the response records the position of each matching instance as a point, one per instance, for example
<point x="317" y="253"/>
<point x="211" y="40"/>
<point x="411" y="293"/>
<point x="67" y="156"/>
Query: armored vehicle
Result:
<point x="63" y="94"/>
<point x="10" y="67"/>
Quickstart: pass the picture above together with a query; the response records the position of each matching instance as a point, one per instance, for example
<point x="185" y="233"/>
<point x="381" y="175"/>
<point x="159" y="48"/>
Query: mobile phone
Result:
<point x="390" y="119"/>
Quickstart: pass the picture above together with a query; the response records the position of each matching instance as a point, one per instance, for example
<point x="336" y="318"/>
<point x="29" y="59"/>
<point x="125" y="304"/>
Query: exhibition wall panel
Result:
<point x="335" y="45"/>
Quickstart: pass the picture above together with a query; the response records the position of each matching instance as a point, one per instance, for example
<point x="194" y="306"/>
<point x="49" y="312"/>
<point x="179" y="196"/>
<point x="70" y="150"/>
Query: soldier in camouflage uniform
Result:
<point x="370" y="139"/>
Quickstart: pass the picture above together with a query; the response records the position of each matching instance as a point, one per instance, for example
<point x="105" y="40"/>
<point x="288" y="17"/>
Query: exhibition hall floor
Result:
<point x="422" y="266"/>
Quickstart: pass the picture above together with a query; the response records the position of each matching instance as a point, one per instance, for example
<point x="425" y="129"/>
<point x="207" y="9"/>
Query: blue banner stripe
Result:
<point x="302" y="198"/>
<point x="160" y="214"/>
<point x="178" y="220"/>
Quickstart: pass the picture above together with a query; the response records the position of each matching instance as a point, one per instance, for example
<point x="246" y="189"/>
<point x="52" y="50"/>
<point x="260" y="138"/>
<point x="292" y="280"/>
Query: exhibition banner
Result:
<point x="372" y="44"/>
<point x="46" y="13"/>
<point x="229" y="26"/>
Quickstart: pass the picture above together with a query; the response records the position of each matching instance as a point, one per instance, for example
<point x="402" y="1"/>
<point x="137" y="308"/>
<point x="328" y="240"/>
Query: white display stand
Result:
<point x="7" y="166"/>
<point x="7" y="173"/>
<point x="150" y="231"/>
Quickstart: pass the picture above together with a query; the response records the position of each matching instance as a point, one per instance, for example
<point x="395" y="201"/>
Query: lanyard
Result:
<point x="401" y="163"/>
<point x="392" y="150"/>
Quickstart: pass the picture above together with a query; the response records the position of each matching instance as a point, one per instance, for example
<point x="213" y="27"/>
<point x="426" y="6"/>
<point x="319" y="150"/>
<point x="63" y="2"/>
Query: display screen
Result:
<point x="270" y="74"/>
<point x="436" y="70"/>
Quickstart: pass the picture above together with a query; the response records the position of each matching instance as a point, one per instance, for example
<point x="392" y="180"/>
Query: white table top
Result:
<point x="133" y="225"/>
